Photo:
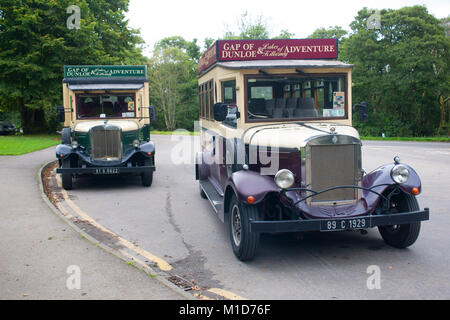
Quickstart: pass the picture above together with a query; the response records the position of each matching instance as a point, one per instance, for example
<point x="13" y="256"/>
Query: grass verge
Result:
<point x="17" y="145"/>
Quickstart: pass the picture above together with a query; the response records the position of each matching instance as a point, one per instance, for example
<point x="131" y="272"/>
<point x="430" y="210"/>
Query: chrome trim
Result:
<point x="306" y="166"/>
<point x="106" y="142"/>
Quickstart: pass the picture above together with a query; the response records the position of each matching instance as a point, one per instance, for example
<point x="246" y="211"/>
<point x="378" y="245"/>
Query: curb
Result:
<point x="161" y="276"/>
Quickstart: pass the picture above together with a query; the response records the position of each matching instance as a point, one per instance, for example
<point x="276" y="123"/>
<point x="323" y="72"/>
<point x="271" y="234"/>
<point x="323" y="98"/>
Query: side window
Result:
<point x="200" y="101"/>
<point x="206" y="100"/>
<point x="229" y="92"/>
<point x="229" y="97"/>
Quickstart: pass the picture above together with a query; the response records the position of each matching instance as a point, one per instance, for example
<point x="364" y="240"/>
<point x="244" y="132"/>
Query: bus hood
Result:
<point x="124" y="125"/>
<point x="294" y="135"/>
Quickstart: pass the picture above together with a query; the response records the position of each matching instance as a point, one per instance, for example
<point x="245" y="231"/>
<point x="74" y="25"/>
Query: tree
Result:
<point x="191" y="48"/>
<point x="335" y="32"/>
<point x="173" y="87"/>
<point x="36" y="43"/>
<point x="401" y="69"/>
<point x="285" y="34"/>
<point x="208" y="43"/>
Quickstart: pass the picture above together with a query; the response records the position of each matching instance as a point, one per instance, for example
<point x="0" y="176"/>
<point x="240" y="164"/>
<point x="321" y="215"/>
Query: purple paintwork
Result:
<point x="368" y="202"/>
<point x="251" y="183"/>
<point x="245" y="183"/>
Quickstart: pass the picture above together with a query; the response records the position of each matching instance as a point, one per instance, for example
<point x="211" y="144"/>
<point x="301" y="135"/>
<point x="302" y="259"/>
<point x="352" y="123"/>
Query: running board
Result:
<point x="213" y="196"/>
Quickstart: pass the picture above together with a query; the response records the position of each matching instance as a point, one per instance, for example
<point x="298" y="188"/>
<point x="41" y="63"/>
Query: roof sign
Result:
<point x="105" y="72"/>
<point x="275" y="49"/>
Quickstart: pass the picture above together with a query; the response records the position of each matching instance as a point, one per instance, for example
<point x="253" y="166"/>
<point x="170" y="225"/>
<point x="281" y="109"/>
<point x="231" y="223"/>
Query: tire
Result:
<point x="147" y="176"/>
<point x="404" y="235"/>
<point x="66" y="177"/>
<point x="243" y="241"/>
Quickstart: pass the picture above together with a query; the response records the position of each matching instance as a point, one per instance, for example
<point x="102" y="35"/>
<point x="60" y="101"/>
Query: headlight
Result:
<point x="284" y="179"/>
<point x="74" y="144"/>
<point x="136" y="143"/>
<point x="400" y="174"/>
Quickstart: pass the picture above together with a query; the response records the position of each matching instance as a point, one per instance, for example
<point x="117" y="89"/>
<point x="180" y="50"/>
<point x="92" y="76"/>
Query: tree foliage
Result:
<point x="36" y="43"/>
<point x="173" y="84"/>
<point x="401" y="69"/>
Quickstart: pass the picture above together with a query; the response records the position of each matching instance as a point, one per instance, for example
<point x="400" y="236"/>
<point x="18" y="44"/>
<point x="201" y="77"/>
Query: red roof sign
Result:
<point x="275" y="49"/>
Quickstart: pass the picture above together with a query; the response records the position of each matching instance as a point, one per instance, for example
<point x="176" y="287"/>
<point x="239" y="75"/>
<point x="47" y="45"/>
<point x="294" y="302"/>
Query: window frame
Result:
<point x="206" y="99"/>
<point x="78" y="94"/>
<point x="313" y="78"/>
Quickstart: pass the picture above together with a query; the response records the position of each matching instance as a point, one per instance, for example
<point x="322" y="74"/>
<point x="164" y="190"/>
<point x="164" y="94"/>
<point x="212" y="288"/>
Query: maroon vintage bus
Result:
<point x="278" y="150"/>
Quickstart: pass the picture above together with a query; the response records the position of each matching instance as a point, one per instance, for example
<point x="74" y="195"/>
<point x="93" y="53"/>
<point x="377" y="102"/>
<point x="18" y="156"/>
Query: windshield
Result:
<point x="120" y="105"/>
<point x="286" y="97"/>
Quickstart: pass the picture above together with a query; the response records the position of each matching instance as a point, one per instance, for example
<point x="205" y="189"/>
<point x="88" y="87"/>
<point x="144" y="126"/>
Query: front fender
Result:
<point x="382" y="177"/>
<point x="63" y="151"/>
<point x="147" y="148"/>
<point x="251" y="183"/>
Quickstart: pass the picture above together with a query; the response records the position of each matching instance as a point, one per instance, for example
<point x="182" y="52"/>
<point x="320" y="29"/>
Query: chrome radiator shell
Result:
<point x="331" y="161"/>
<point x="106" y="142"/>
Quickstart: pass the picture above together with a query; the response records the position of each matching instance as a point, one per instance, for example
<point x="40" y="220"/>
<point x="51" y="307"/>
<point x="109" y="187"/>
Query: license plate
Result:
<point x="107" y="171"/>
<point x="344" y="224"/>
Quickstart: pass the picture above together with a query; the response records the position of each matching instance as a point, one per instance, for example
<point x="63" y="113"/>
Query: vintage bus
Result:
<point x="278" y="150"/>
<point x="106" y="123"/>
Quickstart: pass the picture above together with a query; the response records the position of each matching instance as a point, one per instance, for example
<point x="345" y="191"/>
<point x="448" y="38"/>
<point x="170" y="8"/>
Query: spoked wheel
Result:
<point x="66" y="177"/>
<point x="403" y="235"/>
<point x="147" y="176"/>
<point x="243" y="241"/>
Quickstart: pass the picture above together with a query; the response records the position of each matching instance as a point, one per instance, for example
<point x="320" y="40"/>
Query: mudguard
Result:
<point x="251" y="183"/>
<point x="146" y="148"/>
<point x="382" y="177"/>
<point x="63" y="151"/>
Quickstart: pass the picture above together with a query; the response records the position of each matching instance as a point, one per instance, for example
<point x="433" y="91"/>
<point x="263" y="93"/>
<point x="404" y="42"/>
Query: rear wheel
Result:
<point x="66" y="177"/>
<point x="147" y="176"/>
<point x="403" y="235"/>
<point x="243" y="240"/>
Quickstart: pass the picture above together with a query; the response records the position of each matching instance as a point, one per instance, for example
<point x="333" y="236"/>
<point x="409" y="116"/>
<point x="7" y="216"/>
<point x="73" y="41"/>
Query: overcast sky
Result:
<point x="211" y="18"/>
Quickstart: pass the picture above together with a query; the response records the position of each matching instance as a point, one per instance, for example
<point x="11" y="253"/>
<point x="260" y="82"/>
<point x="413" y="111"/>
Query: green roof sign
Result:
<point x="105" y="71"/>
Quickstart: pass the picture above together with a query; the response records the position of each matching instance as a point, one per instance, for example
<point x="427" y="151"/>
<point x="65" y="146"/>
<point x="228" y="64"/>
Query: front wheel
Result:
<point x="147" y="176"/>
<point x="403" y="235"/>
<point x="66" y="177"/>
<point x="243" y="240"/>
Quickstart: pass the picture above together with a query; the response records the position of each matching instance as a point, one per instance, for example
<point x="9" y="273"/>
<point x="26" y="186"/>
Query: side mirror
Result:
<point x="60" y="113"/>
<point x="363" y="111"/>
<point x="152" y="113"/>
<point x="220" y="111"/>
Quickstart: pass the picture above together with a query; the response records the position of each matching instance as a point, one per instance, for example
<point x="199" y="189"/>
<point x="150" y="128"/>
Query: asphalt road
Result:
<point x="171" y="221"/>
<point x="42" y="257"/>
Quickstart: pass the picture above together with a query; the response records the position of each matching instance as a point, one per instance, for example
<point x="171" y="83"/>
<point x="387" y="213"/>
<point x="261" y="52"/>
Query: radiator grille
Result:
<point x="331" y="166"/>
<point x="106" y="143"/>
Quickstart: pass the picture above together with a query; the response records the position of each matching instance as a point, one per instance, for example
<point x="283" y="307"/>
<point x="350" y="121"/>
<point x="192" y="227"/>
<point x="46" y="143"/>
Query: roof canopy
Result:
<point x="263" y="50"/>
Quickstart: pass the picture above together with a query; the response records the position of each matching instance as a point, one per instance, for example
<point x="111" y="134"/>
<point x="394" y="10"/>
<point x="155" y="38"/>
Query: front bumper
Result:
<point x="317" y="224"/>
<point x="106" y="170"/>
